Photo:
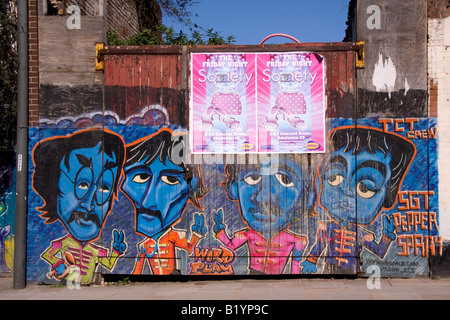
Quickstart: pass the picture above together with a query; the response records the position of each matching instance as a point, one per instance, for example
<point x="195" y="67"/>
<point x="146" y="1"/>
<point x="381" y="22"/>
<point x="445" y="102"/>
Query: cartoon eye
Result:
<point x="336" y="180"/>
<point x="252" y="179"/>
<point x="83" y="185"/>
<point x="170" y="180"/>
<point x="284" y="180"/>
<point x="104" y="188"/>
<point x="141" y="178"/>
<point x="363" y="191"/>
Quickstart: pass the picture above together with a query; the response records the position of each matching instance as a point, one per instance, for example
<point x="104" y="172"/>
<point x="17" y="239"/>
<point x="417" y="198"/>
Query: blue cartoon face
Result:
<point x="159" y="193"/>
<point x="365" y="174"/>
<point x="86" y="191"/>
<point x="268" y="195"/>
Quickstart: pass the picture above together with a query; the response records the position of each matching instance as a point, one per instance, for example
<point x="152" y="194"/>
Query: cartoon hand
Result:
<point x="59" y="269"/>
<point x="218" y="221"/>
<point x="308" y="267"/>
<point x="297" y="254"/>
<point x="119" y="244"/>
<point x="388" y="228"/>
<point x="199" y="225"/>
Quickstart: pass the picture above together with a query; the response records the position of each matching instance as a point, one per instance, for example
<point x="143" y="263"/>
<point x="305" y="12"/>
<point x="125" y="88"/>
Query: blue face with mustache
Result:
<point x="353" y="187"/>
<point x="159" y="193"/>
<point x="86" y="187"/>
<point x="269" y="195"/>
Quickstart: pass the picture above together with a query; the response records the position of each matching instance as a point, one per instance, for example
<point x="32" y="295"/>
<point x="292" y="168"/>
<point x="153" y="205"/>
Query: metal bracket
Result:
<point x="99" y="63"/>
<point x="360" y="55"/>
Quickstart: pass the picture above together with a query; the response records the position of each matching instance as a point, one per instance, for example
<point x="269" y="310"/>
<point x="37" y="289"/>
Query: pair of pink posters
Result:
<point x="257" y="103"/>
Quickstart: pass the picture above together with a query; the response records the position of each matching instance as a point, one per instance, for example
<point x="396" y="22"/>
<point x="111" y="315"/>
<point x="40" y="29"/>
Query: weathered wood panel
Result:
<point x="67" y="56"/>
<point x="395" y="72"/>
<point x="135" y="82"/>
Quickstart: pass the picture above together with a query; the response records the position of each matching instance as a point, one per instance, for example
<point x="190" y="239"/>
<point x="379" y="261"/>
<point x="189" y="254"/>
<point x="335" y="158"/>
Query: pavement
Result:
<point x="241" y="289"/>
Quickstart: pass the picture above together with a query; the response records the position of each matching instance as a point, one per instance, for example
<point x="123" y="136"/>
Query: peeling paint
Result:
<point x="384" y="75"/>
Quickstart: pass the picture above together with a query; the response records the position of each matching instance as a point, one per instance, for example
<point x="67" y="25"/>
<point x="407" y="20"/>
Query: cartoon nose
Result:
<point x="264" y="193"/>
<point x="150" y="200"/>
<point x="348" y="191"/>
<point x="88" y="200"/>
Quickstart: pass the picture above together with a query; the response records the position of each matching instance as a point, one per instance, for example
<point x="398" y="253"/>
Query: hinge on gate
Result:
<point x="99" y="64"/>
<point x="360" y="55"/>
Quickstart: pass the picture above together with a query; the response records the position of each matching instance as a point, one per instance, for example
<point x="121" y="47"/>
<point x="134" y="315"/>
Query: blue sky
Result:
<point x="250" y="21"/>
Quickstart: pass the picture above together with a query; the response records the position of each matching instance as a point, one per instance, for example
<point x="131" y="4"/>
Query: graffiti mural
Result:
<point x="117" y="190"/>
<point x="7" y="210"/>
<point x="77" y="178"/>
<point x="160" y="184"/>
<point x="415" y="213"/>
<point x="361" y="175"/>
<point x="131" y="199"/>
<point x="271" y="197"/>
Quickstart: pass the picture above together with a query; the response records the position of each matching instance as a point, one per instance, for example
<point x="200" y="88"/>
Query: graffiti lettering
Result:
<point x="414" y="221"/>
<point x="412" y="201"/>
<point x="221" y="255"/>
<point x="422" y="134"/>
<point x="212" y="261"/>
<point x="423" y="244"/>
<point x="214" y="269"/>
<point x="400" y="125"/>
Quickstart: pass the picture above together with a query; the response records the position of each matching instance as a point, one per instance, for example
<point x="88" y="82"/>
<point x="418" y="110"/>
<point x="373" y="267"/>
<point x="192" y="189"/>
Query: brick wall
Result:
<point x="33" y="62"/>
<point x="122" y="17"/>
<point x="87" y="7"/>
<point x="438" y="9"/>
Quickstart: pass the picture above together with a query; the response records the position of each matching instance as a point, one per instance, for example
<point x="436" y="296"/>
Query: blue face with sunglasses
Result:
<point x="86" y="188"/>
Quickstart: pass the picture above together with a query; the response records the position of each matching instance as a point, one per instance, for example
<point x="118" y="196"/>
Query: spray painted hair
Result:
<point x="357" y="139"/>
<point x="49" y="153"/>
<point x="164" y="145"/>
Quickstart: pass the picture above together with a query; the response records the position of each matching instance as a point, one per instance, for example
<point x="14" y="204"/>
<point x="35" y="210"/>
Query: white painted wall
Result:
<point x="439" y="68"/>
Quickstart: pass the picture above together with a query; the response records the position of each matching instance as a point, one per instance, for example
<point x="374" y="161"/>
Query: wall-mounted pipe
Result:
<point x="20" y="239"/>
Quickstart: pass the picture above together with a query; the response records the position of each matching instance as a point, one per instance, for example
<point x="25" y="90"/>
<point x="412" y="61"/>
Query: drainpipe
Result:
<point x="20" y="239"/>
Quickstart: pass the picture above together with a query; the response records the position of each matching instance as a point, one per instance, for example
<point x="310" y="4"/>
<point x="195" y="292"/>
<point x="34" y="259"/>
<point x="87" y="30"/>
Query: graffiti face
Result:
<point x="86" y="187"/>
<point x="268" y="194"/>
<point x="159" y="193"/>
<point x="353" y="184"/>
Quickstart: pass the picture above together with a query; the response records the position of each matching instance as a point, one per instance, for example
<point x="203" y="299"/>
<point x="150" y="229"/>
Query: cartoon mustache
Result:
<point x="149" y="212"/>
<point x="78" y="215"/>
<point x="263" y="210"/>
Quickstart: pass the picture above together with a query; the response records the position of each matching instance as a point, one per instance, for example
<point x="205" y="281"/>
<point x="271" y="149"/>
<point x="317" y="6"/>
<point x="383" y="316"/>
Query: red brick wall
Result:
<point x="33" y="61"/>
<point x="438" y="9"/>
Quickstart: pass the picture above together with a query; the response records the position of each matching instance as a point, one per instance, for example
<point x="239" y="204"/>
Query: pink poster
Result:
<point x="257" y="103"/>
<point x="290" y="102"/>
<point x="223" y="103"/>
